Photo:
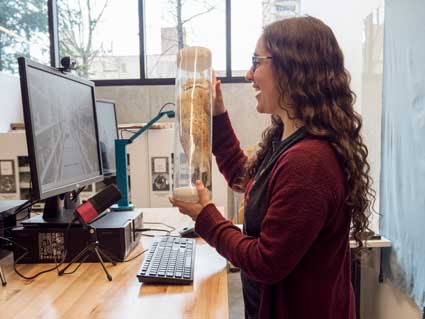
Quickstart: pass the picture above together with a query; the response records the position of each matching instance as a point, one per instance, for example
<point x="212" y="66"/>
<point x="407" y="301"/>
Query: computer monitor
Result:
<point x="108" y="133"/>
<point x="61" y="130"/>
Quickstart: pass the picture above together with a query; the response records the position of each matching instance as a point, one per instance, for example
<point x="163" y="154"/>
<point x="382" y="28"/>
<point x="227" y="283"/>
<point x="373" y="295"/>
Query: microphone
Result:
<point x="95" y="205"/>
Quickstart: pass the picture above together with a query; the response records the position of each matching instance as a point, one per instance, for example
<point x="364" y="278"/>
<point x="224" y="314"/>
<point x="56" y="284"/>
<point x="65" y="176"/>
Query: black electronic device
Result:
<point x="97" y="204"/>
<point x="88" y="213"/>
<point x="11" y="211"/>
<point x="9" y="207"/>
<point x="171" y="260"/>
<point x="46" y="244"/>
<point x="62" y="137"/>
<point x="68" y="64"/>
<point x="108" y="133"/>
<point x="188" y="232"/>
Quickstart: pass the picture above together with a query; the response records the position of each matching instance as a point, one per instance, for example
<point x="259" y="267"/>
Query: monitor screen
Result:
<point x="60" y="123"/>
<point x="108" y="133"/>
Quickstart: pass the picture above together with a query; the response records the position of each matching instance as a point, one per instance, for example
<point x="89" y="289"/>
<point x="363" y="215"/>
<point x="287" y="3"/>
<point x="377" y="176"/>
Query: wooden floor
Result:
<point x="88" y="294"/>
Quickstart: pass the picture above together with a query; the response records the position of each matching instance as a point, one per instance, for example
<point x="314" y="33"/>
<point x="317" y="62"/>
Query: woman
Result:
<point x="307" y="183"/>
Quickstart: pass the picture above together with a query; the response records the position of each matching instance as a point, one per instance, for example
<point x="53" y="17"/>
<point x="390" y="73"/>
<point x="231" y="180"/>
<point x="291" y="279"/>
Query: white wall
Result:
<point x="11" y="102"/>
<point x="137" y="104"/>
<point x="346" y="20"/>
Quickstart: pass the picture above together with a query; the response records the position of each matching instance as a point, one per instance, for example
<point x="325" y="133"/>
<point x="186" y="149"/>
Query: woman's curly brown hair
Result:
<point x="309" y="69"/>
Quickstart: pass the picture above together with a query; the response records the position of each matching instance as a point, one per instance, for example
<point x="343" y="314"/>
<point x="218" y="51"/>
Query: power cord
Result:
<point x="171" y="228"/>
<point x="142" y="230"/>
<point x="126" y="130"/>
<point x="134" y="131"/>
<point x="164" y="105"/>
<point x="167" y="231"/>
<point x="22" y="256"/>
<point x="76" y="268"/>
<point x="125" y="260"/>
<point x="25" y="206"/>
<point x="132" y="258"/>
<point x="26" y="253"/>
<point x="76" y="193"/>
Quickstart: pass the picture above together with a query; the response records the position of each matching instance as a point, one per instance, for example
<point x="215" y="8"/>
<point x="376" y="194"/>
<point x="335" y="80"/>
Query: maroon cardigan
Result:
<point x="302" y="256"/>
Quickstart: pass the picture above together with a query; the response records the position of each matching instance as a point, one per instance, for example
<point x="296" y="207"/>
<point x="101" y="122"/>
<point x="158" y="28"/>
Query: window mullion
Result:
<point x="53" y="32"/>
<point x="228" y="40"/>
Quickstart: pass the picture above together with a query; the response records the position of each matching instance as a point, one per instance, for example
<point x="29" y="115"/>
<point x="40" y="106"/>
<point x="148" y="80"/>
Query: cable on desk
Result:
<point x="15" y="262"/>
<point x="111" y="255"/>
<point x="132" y="258"/>
<point x="163" y="224"/>
<point x="25" y="206"/>
<point x="22" y="256"/>
<point x="142" y="230"/>
<point x="78" y="266"/>
<point x="30" y="202"/>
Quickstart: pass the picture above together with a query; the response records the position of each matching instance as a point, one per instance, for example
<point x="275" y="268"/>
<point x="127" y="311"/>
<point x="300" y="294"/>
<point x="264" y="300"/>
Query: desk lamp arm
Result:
<point x="121" y="162"/>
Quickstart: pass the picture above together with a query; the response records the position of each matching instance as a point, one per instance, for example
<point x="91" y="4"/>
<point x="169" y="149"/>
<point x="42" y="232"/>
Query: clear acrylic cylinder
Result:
<point x="193" y="123"/>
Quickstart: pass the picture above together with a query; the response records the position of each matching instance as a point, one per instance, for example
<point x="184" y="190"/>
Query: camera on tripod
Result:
<point x="68" y="64"/>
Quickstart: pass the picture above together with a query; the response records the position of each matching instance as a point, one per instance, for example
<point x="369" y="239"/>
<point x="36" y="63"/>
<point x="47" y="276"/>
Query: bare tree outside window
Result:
<point x="183" y="23"/>
<point x="177" y="11"/>
<point x="78" y="22"/>
<point x="102" y="35"/>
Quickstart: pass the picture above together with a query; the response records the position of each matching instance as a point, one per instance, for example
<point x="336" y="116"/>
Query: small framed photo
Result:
<point x="160" y="174"/>
<point x="7" y="177"/>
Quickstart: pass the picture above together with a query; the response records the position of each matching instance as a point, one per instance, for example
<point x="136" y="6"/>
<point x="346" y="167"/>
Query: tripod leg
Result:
<point x="2" y="277"/>
<point x="106" y="256"/>
<point x="75" y="259"/>
<point x="108" y="275"/>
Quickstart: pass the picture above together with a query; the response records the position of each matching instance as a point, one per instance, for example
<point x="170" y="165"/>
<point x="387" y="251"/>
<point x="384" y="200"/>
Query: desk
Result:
<point x="356" y="267"/>
<point x="88" y="294"/>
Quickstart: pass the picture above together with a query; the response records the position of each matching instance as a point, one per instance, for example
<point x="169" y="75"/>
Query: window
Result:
<point x="102" y="36"/>
<point x="246" y="29"/>
<point x="23" y="32"/>
<point x="127" y="42"/>
<point x="173" y="24"/>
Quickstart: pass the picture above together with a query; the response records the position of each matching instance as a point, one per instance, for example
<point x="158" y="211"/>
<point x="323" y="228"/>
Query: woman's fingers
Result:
<point x="218" y="107"/>
<point x="182" y="206"/>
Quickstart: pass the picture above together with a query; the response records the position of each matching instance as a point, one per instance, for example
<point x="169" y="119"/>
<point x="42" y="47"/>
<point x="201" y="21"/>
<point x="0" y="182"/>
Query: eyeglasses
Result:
<point x="256" y="60"/>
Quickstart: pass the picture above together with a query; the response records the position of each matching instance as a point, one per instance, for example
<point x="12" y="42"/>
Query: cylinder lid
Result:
<point x="195" y="59"/>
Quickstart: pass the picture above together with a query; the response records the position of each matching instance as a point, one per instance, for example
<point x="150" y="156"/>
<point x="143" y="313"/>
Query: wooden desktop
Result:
<point x="88" y="294"/>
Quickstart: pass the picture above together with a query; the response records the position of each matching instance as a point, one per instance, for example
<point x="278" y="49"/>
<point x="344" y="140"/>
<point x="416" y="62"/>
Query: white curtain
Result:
<point x="402" y="200"/>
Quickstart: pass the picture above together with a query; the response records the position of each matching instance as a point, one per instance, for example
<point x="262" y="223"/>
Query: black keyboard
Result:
<point x="170" y="260"/>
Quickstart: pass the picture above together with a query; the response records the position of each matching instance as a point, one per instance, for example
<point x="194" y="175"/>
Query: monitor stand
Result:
<point x="58" y="211"/>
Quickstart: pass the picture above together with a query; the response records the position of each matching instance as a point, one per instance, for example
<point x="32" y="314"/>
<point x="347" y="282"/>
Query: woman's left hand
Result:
<point x="193" y="209"/>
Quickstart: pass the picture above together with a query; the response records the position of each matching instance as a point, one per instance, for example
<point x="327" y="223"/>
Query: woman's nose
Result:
<point x="249" y="76"/>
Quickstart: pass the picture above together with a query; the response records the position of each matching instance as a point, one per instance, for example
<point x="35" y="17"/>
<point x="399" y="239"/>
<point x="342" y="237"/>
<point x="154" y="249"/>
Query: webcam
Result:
<point x="68" y="64"/>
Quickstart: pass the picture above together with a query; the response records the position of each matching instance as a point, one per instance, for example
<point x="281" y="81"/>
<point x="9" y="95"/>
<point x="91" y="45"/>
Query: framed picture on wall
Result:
<point x="7" y="177"/>
<point x="160" y="174"/>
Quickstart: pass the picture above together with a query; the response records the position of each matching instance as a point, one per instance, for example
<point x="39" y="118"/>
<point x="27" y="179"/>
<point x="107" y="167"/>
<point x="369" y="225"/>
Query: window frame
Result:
<point x="54" y="50"/>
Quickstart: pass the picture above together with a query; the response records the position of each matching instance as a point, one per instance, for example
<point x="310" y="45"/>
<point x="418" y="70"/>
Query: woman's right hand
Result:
<point x="218" y="104"/>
